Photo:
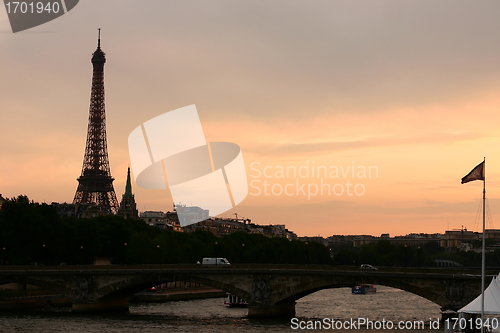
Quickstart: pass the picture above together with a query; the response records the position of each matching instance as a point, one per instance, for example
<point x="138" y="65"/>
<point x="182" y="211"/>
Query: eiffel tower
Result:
<point x="95" y="184"/>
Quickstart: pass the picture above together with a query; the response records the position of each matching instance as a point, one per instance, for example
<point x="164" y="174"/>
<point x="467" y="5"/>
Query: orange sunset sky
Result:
<point x="409" y="88"/>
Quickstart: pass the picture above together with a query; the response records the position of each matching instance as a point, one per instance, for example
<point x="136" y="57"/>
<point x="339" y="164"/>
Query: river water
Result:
<point x="211" y="315"/>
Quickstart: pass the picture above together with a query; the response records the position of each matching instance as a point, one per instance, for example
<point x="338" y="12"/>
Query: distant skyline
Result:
<point x="408" y="89"/>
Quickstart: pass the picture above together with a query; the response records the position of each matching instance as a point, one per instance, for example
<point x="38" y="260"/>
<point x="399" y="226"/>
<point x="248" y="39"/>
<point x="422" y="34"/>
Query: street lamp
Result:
<point x="44" y="254"/>
<point x="406" y="246"/>
<point x="124" y="256"/>
<point x="242" y="251"/>
<point x="216" y="243"/>
<point x="418" y="257"/>
<point x="307" y="253"/>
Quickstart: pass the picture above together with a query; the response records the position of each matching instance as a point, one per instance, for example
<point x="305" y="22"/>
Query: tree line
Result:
<point x="35" y="233"/>
<point x="384" y="253"/>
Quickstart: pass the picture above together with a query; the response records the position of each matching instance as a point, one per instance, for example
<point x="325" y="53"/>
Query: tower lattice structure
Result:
<point x="95" y="184"/>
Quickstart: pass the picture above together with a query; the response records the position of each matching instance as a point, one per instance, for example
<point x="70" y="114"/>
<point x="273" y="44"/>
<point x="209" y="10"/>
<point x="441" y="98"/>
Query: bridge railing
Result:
<point x="414" y="270"/>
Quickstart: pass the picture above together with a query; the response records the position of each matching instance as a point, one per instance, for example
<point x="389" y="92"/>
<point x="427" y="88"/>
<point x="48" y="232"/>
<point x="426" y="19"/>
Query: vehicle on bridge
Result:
<point x="366" y="267"/>
<point x="215" y="262"/>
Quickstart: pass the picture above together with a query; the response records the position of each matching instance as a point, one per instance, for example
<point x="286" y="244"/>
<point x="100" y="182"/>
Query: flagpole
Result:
<point x="483" y="265"/>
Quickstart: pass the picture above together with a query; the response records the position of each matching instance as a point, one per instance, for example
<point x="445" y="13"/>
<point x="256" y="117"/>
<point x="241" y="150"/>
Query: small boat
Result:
<point x="364" y="289"/>
<point x="234" y="301"/>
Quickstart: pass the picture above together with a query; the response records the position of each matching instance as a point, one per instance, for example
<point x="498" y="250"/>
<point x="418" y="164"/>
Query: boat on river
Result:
<point x="235" y="301"/>
<point x="363" y="289"/>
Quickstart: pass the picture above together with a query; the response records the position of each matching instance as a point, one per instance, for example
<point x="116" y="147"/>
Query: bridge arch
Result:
<point x="45" y="284"/>
<point x="134" y="284"/>
<point x="305" y="289"/>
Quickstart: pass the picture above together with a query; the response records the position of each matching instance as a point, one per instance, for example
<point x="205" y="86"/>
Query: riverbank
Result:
<point x="159" y="296"/>
<point x="35" y="302"/>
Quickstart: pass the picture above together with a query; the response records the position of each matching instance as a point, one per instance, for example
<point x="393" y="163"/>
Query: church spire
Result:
<point x="128" y="187"/>
<point x="128" y="207"/>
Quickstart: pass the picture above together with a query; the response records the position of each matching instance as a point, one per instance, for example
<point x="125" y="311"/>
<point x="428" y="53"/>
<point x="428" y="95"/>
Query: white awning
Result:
<point x="491" y="300"/>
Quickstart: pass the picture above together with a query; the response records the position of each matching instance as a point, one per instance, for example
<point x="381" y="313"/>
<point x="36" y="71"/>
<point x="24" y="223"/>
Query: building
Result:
<point x="360" y="240"/>
<point x="317" y="239"/>
<point x="190" y="215"/>
<point x="217" y="226"/>
<point x="128" y="207"/>
<point x="222" y="227"/>
<point x="161" y="220"/>
<point x="154" y="218"/>
<point x="492" y="234"/>
<point x="455" y="238"/>
<point x="84" y="210"/>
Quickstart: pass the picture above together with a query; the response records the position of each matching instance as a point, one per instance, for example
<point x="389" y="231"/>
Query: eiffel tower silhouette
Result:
<point x="95" y="184"/>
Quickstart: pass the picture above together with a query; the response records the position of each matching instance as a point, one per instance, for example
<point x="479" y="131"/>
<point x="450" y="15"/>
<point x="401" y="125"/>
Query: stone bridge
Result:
<point x="271" y="290"/>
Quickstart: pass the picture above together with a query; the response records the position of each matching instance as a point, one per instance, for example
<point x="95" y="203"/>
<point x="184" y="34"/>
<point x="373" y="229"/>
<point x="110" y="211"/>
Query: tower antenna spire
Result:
<point x="99" y="38"/>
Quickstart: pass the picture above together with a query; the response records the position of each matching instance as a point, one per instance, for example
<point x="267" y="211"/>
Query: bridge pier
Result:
<point x="100" y="305"/>
<point x="274" y="310"/>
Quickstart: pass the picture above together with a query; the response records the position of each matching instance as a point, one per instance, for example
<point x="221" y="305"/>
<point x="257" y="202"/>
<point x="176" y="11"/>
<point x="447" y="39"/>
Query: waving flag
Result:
<point x="476" y="174"/>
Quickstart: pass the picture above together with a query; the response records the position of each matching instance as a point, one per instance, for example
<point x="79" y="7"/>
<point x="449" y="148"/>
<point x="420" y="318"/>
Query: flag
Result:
<point x="476" y="174"/>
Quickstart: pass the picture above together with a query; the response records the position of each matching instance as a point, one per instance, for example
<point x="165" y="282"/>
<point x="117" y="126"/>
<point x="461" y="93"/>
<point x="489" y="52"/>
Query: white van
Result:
<point x="215" y="262"/>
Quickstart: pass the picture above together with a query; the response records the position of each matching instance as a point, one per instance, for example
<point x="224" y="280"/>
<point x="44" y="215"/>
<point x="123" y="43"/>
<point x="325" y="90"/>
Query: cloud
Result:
<point x="293" y="58"/>
<point x="333" y="146"/>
